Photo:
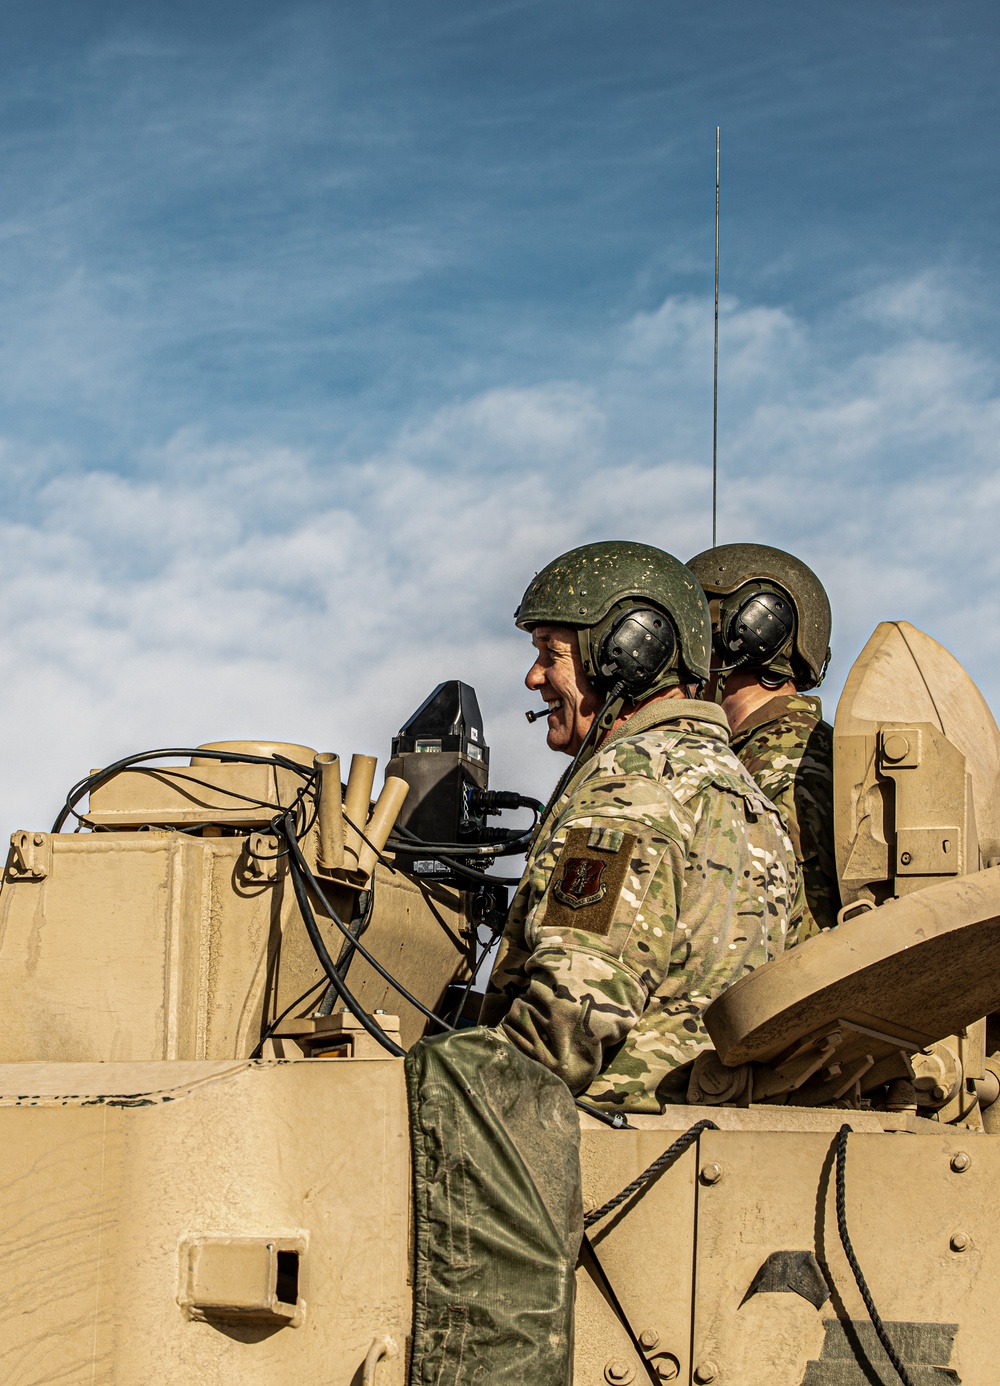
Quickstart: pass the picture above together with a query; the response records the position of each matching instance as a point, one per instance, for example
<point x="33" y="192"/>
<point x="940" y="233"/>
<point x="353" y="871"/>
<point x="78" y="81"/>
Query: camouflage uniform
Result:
<point x="660" y="876"/>
<point x="788" y="750"/>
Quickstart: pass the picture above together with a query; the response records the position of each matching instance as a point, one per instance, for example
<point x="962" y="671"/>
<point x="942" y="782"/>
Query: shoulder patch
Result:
<point x="588" y="879"/>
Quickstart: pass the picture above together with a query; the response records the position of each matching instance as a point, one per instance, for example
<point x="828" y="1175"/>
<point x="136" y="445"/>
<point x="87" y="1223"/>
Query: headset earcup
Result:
<point x="639" y="645"/>
<point x="757" y="629"/>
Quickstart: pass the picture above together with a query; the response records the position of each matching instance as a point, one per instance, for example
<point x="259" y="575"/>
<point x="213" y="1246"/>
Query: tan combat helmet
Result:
<point x="769" y="610"/>
<point x="615" y="595"/>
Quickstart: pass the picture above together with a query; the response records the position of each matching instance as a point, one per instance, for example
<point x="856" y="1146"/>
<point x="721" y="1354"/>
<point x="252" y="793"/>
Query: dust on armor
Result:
<point x="661" y="876"/>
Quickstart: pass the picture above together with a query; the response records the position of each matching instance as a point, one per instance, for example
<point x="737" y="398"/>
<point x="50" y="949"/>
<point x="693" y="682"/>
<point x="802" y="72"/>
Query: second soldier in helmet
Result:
<point x="771" y="633"/>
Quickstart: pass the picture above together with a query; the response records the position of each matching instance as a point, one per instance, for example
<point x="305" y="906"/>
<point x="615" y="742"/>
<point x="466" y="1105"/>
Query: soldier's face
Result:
<point x="557" y="674"/>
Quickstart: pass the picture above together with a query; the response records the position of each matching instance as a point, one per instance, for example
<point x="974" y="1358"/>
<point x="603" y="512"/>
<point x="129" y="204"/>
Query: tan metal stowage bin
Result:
<point x="183" y="1203"/>
<point x="172" y="1209"/>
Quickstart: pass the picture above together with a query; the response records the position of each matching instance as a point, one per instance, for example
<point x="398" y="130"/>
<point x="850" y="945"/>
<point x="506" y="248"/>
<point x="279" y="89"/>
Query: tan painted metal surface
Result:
<point x="174" y="1212"/>
<point x="109" y="1194"/>
<point x="916" y="970"/>
<point x="159" y="945"/>
<point x="912" y="731"/>
<point x="103" y="1196"/>
<point x="658" y="1300"/>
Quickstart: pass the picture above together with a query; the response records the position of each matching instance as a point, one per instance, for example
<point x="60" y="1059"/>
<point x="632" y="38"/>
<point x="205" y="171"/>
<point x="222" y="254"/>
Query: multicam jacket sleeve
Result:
<point x="660" y="880"/>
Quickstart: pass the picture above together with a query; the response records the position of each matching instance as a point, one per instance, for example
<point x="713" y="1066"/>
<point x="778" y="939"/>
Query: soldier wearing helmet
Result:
<point x="771" y="637"/>
<point x="660" y="873"/>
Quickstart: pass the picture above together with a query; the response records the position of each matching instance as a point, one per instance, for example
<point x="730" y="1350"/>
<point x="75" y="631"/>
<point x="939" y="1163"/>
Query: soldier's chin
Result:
<point x="560" y="739"/>
<point x="555" y="737"/>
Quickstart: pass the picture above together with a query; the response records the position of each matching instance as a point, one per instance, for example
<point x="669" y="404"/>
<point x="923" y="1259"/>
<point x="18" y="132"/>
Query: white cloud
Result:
<point x="247" y="589"/>
<point x="925" y="301"/>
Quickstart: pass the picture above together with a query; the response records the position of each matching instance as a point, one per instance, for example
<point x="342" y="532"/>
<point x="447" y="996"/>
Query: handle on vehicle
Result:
<point x="387" y="1347"/>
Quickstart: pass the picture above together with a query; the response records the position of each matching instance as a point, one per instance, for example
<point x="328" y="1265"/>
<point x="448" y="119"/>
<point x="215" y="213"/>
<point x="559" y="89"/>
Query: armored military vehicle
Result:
<point x="219" y="1168"/>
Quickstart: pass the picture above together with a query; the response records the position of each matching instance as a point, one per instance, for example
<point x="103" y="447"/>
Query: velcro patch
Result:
<point x="588" y="880"/>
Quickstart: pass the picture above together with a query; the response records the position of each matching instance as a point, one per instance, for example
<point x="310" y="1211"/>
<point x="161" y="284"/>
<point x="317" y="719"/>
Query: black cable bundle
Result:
<point x="290" y="824"/>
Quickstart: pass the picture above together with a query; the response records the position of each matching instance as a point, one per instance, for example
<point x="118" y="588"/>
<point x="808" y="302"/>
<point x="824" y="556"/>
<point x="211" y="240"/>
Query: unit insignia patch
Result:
<point x="580" y="883"/>
<point x="588" y="879"/>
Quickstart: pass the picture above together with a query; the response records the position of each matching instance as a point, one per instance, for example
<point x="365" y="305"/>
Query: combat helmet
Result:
<point x="770" y="612"/>
<point x="640" y="616"/>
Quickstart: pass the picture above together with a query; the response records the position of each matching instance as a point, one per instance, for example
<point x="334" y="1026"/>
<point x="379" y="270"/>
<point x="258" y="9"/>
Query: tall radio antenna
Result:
<point x="715" y="382"/>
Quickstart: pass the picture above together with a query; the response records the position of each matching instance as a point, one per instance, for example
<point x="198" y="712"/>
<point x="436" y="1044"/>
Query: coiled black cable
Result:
<point x="290" y="823"/>
<point x="326" y="962"/>
<point x="357" y="926"/>
<point x="98" y="777"/>
<point x="303" y="876"/>
<point x="852" y="1260"/>
<point x="618" y="1120"/>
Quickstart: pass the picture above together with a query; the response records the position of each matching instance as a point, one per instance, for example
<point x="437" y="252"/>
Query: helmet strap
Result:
<point x="612" y="709"/>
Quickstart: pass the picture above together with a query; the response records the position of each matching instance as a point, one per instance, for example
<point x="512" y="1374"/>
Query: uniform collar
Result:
<point x="776" y="708"/>
<point x="658" y="713"/>
<point x="663" y="711"/>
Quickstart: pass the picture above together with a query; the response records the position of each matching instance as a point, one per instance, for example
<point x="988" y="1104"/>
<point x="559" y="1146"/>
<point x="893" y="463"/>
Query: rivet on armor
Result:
<point x="711" y="1174"/>
<point x="705" y="1372"/>
<point x="619" y="1372"/>
<point x="960" y="1161"/>
<point x="960" y="1241"/>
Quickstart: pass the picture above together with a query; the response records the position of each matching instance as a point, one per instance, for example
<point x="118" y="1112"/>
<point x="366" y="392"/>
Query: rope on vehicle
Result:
<point x="672" y="1153"/>
<point x="845" y="1239"/>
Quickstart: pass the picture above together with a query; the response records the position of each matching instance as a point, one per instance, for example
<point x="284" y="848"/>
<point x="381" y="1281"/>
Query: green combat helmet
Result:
<point x="615" y="595"/>
<point x="770" y="613"/>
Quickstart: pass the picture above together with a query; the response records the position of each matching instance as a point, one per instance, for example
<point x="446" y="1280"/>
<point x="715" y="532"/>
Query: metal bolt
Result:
<point x="895" y="747"/>
<point x="960" y="1241"/>
<point x="960" y="1162"/>
<point x="649" y="1338"/>
<point x="619" y="1372"/>
<point x="905" y="858"/>
<point x="705" y="1372"/>
<point x="38" y="839"/>
<point x="667" y="1367"/>
<point x="939" y="1092"/>
<point x="711" y="1174"/>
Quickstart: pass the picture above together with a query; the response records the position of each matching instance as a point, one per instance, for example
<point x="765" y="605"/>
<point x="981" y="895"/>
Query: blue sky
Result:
<point x="323" y="326"/>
